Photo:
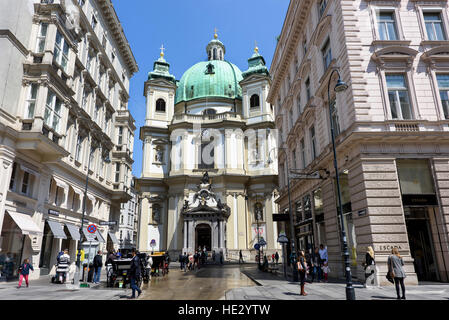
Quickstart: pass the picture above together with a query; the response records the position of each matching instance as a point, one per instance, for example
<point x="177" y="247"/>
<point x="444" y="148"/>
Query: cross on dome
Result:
<point x="162" y="50"/>
<point x="215" y="33"/>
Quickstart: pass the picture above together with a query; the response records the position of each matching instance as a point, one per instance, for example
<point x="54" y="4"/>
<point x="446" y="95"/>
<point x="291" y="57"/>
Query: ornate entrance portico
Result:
<point x="205" y="218"/>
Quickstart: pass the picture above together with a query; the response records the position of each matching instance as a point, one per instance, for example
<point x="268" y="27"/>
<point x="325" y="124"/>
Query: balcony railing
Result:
<point x="230" y="116"/>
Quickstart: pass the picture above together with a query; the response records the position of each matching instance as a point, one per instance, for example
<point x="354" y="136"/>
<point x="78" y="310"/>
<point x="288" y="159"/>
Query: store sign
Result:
<point x="108" y="223"/>
<point x="387" y="247"/>
<point x="419" y="199"/>
<point x="53" y="212"/>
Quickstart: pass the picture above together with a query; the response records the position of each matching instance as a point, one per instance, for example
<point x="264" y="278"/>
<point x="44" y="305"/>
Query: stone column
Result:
<point x="6" y="163"/>
<point x="185" y="234"/>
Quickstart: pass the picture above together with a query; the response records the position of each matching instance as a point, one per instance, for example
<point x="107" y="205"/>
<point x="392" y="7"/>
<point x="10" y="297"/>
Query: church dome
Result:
<point x="213" y="78"/>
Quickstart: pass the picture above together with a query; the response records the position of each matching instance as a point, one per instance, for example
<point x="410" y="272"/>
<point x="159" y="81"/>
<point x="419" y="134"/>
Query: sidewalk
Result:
<point x="275" y="287"/>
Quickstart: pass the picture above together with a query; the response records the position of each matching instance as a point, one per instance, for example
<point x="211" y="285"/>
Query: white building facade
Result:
<point x="391" y="127"/>
<point x="205" y="180"/>
<point x="65" y="73"/>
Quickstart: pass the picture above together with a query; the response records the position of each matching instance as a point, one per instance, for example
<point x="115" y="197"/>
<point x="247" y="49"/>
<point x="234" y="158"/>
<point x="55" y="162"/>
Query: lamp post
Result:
<point x="78" y="256"/>
<point x="339" y="87"/>
<point x="292" y="229"/>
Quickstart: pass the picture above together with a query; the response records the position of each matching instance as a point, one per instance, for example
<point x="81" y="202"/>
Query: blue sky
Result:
<point x="185" y="27"/>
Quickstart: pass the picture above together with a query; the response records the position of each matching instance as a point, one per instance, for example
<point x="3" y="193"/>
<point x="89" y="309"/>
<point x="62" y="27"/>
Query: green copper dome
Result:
<point x="214" y="78"/>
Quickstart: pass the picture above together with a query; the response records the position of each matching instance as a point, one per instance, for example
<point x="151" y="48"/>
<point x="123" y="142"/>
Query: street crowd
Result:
<point x="194" y="261"/>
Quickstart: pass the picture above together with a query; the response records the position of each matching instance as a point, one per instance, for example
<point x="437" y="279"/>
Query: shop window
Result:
<point x="415" y="177"/>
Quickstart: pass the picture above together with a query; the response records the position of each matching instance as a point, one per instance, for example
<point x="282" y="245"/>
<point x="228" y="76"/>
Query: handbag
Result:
<point x="390" y="274"/>
<point x="300" y="267"/>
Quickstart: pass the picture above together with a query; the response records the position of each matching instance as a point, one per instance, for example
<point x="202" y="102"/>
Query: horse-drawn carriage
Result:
<point x="160" y="263"/>
<point x="119" y="271"/>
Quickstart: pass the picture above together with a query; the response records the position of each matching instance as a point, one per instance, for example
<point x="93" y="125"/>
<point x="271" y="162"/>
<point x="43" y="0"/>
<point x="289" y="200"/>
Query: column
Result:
<point x="185" y="234"/>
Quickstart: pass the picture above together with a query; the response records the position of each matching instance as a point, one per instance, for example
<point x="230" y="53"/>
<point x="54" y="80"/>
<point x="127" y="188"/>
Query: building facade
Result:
<point x="205" y="180"/>
<point x="391" y="129"/>
<point x="65" y="72"/>
<point x="127" y="226"/>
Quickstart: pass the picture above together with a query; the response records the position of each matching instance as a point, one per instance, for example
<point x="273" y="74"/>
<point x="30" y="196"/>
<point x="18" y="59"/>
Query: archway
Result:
<point x="203" y="237"/>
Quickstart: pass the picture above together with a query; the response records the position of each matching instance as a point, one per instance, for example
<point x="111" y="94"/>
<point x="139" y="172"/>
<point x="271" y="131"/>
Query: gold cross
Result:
<point x="256" y="49"/>
<point x="215" y="33"/>
<point x="162" y="50"/>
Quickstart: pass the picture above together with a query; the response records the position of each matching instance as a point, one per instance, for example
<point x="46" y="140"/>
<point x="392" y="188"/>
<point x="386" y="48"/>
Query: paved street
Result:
<point x="274" y="287"/>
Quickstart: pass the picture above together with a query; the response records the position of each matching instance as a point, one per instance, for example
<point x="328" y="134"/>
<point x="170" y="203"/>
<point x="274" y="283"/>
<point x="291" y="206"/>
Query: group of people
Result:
<point x="191" y="261"/>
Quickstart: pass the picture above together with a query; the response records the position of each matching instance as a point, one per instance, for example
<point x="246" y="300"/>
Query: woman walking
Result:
<point x="369" y="262"/>
<point x="396" y="270"/>
<point x="302" y="269"/>
<point x="24" y="271"/>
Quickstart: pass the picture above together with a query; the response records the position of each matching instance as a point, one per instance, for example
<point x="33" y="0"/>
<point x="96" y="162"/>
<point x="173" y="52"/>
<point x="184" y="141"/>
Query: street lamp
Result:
<point x="340" y="87"/>
<point x="292" y="230"/>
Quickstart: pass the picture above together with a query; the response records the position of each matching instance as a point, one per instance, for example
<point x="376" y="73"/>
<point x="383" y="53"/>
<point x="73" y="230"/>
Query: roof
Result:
<point x="215" y="78"/>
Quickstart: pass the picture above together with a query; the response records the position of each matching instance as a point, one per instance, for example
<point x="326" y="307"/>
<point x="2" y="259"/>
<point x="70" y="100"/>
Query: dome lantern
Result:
<point x="215" y="48"/>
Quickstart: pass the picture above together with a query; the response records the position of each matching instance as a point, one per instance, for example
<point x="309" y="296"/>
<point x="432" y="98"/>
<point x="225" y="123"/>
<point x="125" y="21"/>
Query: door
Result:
<point x="203" y="237"/>
<point x="421" y="245"/>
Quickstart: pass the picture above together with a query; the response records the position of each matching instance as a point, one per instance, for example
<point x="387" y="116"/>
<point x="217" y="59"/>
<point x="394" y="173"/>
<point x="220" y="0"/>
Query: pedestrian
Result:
<point x="186" y="261"/>
<point x="119" y="254"/>
<point x="213" y="256"/>
<point x="191" y="261"/>
<point x="323" y="258"/>
<point x="195" y="260"/>
<point x="369" y="261"/>
<point x="24" y="271"/>
<point x="241" y="257"/>
<point x="326" y="270"/>
<point x="63" y="266"/>
<point x="221" y="257"/>
<point x="397" y="272"/>
<point x="316" y="269"/>
<point x="134" y="274"/>
<point x="98" y="264"/>
<point x="59" y="255"/>
<point x="276" y="257"/>
<point x="302" y="269"/>
<point x="273" y="258"/>
<point x="265" y="263"/>
<point x="181" y="260"/>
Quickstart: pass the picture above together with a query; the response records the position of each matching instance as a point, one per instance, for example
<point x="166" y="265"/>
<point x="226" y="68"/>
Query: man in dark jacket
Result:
<point x="98" y="264"/>
<point x="134" y="274"/>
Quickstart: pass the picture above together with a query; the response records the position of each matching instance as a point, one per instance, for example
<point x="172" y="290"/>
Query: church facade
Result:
<point x="208" y="178"/>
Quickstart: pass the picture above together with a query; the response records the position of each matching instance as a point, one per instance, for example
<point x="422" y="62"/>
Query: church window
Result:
<point x="215" y="53"/>
<point x="254" y="101"/>
<point x="160" y="105"/>
<point x="209" y="54"/>
<point x="209" y="112"/>
<point x="221" y="55"/>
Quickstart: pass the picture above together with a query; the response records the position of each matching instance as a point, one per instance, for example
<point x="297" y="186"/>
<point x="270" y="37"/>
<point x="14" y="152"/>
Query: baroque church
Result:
<point x="207" y="175"/>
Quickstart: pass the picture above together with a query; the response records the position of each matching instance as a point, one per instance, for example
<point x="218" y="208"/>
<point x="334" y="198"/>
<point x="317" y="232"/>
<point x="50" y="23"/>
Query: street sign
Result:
<point x="282" y="238"/>
<point x="257" y="246"/>
<point x="91" y="228"/>
<point x="108" y="223"/>
<point x="262" y="242"/>
<point x="153" y="243"/>
<point x="315" y="175"/>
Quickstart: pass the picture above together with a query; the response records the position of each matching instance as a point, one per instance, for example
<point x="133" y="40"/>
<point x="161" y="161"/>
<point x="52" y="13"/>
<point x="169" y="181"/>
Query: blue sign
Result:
<point x="257" y="246"/>
<point x="262" y="242"/>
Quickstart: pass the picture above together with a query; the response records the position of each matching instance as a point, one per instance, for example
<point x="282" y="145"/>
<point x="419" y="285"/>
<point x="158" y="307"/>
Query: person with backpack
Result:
<point x="98" y="264"/>
<point x="24" y="271"/>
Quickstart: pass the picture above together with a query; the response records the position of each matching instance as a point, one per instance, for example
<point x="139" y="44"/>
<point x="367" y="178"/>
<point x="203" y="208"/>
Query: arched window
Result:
<point x="209" y="112"/>
<point x="160" y="105"/>
<point x="215" y="53"/>
<point x="254" y="101"/>
<point x="221" y="55"/>
<point x="258" y="211"/>
<point x="209" y="54"/>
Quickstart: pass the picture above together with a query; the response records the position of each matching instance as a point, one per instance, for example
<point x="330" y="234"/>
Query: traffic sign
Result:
<point x="262" y="242"/>
<point x="91" y="228"/>
<point x="257" y="246"/>
<point x="153" y="243"/>
<point x="282" y="238"/>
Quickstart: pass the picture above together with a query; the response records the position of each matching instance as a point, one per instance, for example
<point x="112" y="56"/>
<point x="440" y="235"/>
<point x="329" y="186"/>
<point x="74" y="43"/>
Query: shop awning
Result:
<point x="61" y="183"/>
<point x="25" y="223"/>
<point x="89" y="236"/>
<point x="113" y="237"/>
<point x="99" y="236"/>
<point x="57" y="229"/>
<point x="74" y="231"/>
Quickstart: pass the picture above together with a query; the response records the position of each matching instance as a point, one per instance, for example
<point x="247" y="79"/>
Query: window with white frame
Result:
<point x="41" y="36"/>
<point x="117" y="172"/>
<point x="313" y="142"/>
<point x="79" y="147"/>
<point x="327" y="54"/>
<point x="31" y="101"/>
<point x="307" y="84"/>
<point x="303" y="153"/>
<point x="52" y="115"/>
<point x="25" y="183"/>
<point x="322" y="7"/>
<point x="434" y="25"/>
<point x="443" y="86"/>
<point x="120" y="136"/>
<point x="398" y="97"/>
<point x="61" y="52"/>
<point x="386" y="25"/>
<point x="334" y="119"/>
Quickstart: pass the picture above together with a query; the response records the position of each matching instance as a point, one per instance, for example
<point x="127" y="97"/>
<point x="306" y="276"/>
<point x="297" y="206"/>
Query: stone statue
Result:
<point x="220" y="204"/>
<point x="156" y="213"/>
<point x="186" y="204"/>
<point x="205" y="179"/>
<point x="159" y="155"/>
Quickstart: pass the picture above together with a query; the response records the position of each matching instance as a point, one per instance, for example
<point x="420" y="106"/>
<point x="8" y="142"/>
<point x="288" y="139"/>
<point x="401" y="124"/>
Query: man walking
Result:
<point x="241" y="257"/>
<point x="181" y="260"/>
<point x="276" y="257"/>
<point x="98" y="264"/>
<point x="134" y="274"/>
